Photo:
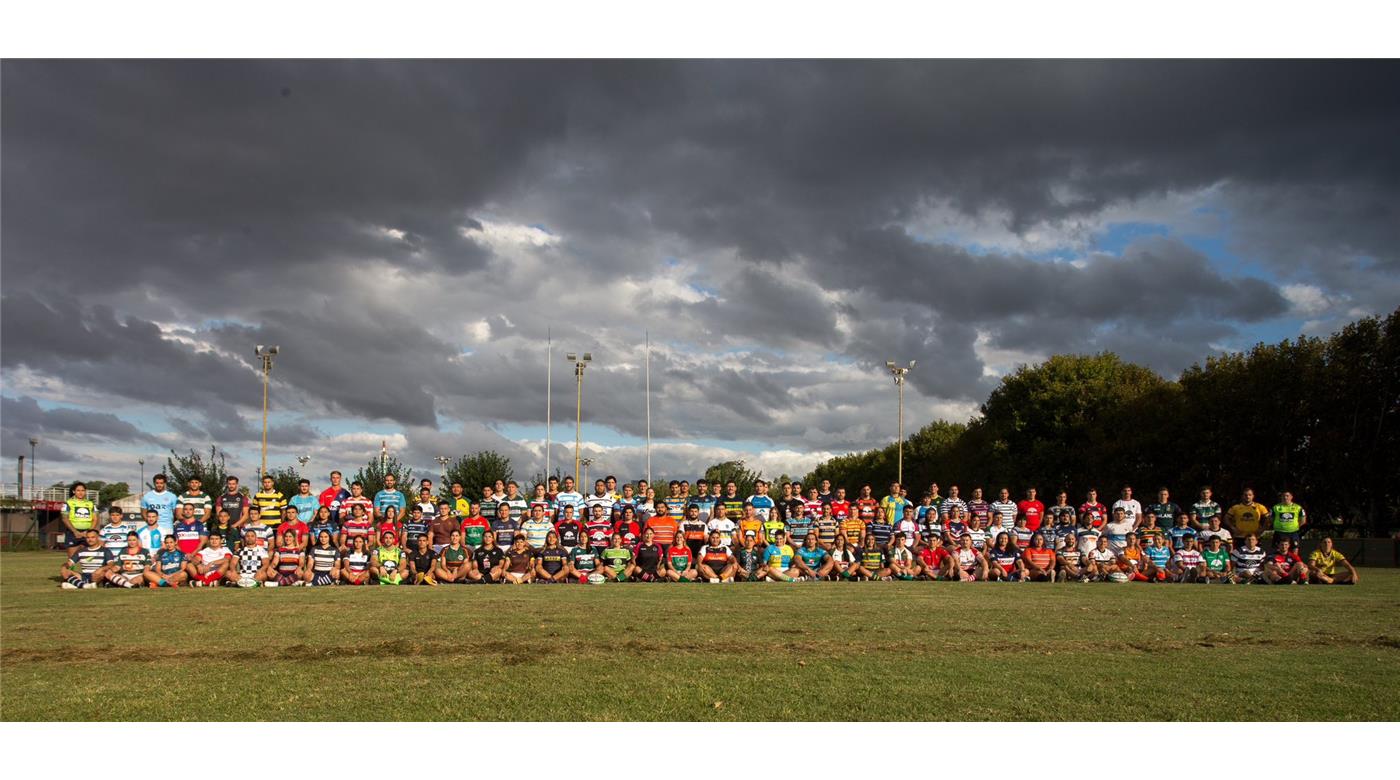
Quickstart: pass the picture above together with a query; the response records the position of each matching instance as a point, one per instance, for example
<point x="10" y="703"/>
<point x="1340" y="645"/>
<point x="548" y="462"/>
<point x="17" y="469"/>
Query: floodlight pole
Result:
<point x="265" y="355"/>
<point x="580" y="362"/>
<point x="898" y="373"/>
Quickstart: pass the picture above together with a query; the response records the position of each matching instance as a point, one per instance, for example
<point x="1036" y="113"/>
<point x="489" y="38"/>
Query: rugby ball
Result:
<point x="247" y="582"/>
<point x="596" y="579"/>
<point x="1117" y="576"/>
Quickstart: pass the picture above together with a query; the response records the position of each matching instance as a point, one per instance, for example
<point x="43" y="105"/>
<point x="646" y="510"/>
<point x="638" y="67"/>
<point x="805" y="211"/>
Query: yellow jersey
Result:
<point x="1326" y="563"/>
<point x="1246" y="518"/>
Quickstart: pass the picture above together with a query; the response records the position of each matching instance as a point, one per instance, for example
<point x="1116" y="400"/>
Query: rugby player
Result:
<point x="648" y="558"/>
<point x="212" y="564"/>
<point x="230" y="510"/>
<point x="536" y="528"/>
<point x="1037" y="560"/>
<point x="1069" y="561"/>
<point x="128" y="568"/>
<point x="269" y="503"/>
<point x="1132" y="508"/>
<point x="935" y="559"/>
<point x="583" y="563"/>
<point x="79" y="515"/>
<point x="1097" y="513"/>
<point x="489" y="560"/>
<point x="389" y="497"/>
<point x="979" y="508"/>
<point x="250" y="568"/>
<point x="572" y="532"/>
<point x="332" y="497"/>
<point x="414" y="527"/>
<point x="617" y="560"/>
<point x="1187" y="564"/>
<point x="1031" y="510"/>
<point x="864" y="508"/>
<point x="777" y="558"/>
<point x="893" y="504"/>
<point x="552" y="560"/>
<point x="87" y="565"/>
<point x="323" y="561"/>
<point x="1004" y="512"/>
<point x="1217" y="557"/>
<point x="445" y="521"/>
<point x="1156" y="559"/>
<point x="1101" y="561"/>
<point x="355" y="569"/>
<point x="715" y="562"/>
<point x="420" y="564"/>
<point x="1214" y="530"/>
<point x="1329" y="567"/>
<point x="694" y="530"/>
<point x="749" y="558"/>
<point x="150" y="534"/>
<point x="288" y="560"/>
<point x="812" y="561"/>
<point x="662" y="525"/>
<point x="843" y="558"/>
<point x="1131" y="558"/>
<point x="1165" y="509"/>
<point x="168" y="566"/>
<point x="189" y="532"/>
<point x="386" y="561"/>
<point x="900" y="559"/>
<point x="357" y="525"/>
<point x="749" y="523"/>
<point x="872" y="563"/>
<point x="454" y="565"/>
<point x="1285" y="565"/>
<point x="1181" y="531"/>
<point x="1003" y="559"/>
<point x="1248" y="559"/>
<point x="357" y="499"/>
<point x="1246" y="518"/>
<point x="505" y="526"/>
<point x="840" y="507"/>
<point x="1289" y="519"/>
<point x="323" y="520"/>
<point x="679" y="563"/>
<point x="1119" y="530"/>
<point x="880" y="528"/>
<point x="970" y="563"/>
<point x="291" y="521"/>
<point x="305" y="503"/>
<point x="163" y="501"/>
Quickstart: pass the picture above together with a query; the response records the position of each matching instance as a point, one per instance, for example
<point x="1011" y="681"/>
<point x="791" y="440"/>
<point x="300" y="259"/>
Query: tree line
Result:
<point x="1316" y="416"/>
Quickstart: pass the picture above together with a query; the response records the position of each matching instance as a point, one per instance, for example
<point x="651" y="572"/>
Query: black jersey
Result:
<point x="323" y="559"/>
<point x="552" y="559"/>
<point x="422" y="561"/>
<point x="649" y="557"/>
<point x="488" y="558"/>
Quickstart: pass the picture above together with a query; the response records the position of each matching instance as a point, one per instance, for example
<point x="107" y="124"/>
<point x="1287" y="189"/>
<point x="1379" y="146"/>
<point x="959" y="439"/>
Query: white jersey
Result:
<point x="114" y="535"/>
<point x="1225" y="537"/>
<point x="1117" y="534"/>
<point x="251" y="560"/>
<point x="1102" y="556"/>
<point x="725" y="526"/>
<point x="212" y="555"/>
<point x="1132" y="510"/>
<point x="1088" y="539"/>
<point x="1006" y="510"/>
<point x="605" y="501"/>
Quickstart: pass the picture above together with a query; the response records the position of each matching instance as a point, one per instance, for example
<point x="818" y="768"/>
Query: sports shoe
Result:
<point x="89" y="585"/>
<point x="66" y="585"/>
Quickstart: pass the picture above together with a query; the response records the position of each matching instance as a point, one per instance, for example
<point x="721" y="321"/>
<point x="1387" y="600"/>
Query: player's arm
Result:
<point x="68" y="523"/>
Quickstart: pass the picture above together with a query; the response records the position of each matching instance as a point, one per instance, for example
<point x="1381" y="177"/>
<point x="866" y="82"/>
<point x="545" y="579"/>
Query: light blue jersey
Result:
<point x="306" y="506"/>
<point x="1159" y="554"/>
<point x="762" y="505"/>
<point x="151" y="536"/>
<point x="164" y="502"/>
<point x="388" y="498"/>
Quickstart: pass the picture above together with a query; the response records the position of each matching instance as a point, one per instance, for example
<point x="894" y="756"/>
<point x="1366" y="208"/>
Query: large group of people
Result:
<point x="703" y="533"/>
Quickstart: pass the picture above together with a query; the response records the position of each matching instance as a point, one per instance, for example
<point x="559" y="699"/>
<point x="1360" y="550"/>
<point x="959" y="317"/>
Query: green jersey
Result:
<point x="583" y="559"/>
<point x="1205" y="510"/>
<point x="1287" y="517"/>
<point x="1217" y="560"/>
<point x="617" y="558"/>
<point x="1167" y="510"/>
<point x="390" y="558"/>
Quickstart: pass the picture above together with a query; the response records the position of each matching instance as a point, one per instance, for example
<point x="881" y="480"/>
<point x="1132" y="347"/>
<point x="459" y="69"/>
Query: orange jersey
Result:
<point x="1040" y="558"/>
<point x="1132" y="559"/>
<point x="664" y="528"/>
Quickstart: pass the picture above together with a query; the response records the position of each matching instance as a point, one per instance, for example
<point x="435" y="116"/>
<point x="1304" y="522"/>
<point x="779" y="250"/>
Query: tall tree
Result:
<point x="475" y="471"/>
<point x="372" y="474"/>
<point x="211" y="471"/>
<point x="735" y="471"/>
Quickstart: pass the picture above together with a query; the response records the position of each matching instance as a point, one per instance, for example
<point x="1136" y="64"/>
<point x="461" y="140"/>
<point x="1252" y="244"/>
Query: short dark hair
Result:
<point x="303" y="482"/>
<point x="160" y="477"/>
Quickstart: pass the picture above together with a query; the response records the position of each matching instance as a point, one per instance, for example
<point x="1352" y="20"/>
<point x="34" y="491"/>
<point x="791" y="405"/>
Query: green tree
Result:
<point x="211" y="471"/>
<point x="735" y="471"/>
<point x="104" y="493"/>
<point x="475" y="471"/>
<point x="286" y="479"/>
<point x="372" y="474"/>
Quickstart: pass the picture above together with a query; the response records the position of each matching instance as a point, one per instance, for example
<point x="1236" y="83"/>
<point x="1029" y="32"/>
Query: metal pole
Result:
<point x="142" y="485"/>
<point x="33" y="482"/>
<point x="648" y="336"/>
<point x="900" y="474"/>
<point x="267" y="369"/>
<point x="578" y="424"/>
<point x="548" y="399"/>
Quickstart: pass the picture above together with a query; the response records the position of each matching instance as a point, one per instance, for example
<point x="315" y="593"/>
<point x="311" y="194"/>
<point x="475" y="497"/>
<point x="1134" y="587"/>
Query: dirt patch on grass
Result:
<point x="516" y="652"/>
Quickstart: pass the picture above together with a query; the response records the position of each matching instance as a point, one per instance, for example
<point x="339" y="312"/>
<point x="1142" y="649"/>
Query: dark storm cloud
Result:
<point x="26" y="418"/>
<point x="348" y="218"/>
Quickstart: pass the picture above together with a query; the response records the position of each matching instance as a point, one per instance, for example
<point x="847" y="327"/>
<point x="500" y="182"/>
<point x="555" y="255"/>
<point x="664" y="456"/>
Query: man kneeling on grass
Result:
<point x="87" y="565"/>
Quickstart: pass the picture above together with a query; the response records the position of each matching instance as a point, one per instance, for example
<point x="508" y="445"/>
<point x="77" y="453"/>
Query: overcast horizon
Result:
<point x="409" y="232"/>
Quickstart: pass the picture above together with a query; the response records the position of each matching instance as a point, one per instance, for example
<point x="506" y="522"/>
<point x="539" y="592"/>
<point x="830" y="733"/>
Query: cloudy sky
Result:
<point x="408" y="233"/>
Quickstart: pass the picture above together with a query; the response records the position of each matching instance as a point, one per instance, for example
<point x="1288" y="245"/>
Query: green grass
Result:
<point x="808" y="651"/>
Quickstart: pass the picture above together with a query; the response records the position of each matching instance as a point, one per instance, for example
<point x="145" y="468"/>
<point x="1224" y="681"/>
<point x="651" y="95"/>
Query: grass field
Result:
<point x="807" y="651"/>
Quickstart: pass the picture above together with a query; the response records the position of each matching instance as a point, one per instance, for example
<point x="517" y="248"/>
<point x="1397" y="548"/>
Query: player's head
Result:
<point x="323" y="538"/>
<point x="167" y="542"/>
<point x="152" y="517"/>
